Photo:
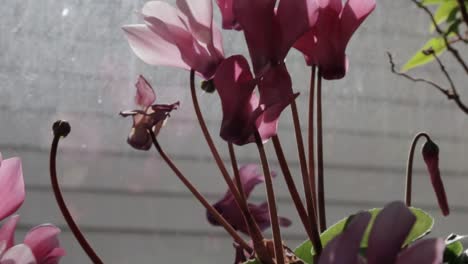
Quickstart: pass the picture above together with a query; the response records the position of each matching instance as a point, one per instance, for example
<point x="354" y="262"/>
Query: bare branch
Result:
<point x="463" y="11"/>
<point x="450" y="48"/>
<point x="451" y="94"/>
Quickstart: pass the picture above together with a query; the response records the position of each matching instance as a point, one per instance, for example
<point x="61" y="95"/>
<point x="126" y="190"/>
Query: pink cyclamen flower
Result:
<point x="386" y="239"/>
<point x="227" y="11"/>
<point x="430" y="153"/>
<point x="11" y="186"/>
<point x="151" y="116"/>
<point x="228" y="208"/>
<point x="243" y="112"/>
<point x="325" y="43"/>
<point x="183" y="37"/>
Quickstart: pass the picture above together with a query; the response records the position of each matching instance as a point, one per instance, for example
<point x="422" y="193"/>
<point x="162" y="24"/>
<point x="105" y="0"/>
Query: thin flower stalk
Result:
<point x="278" y="243"/>
<point x="252" y="226"/>
<point x="199" y="196"/>
<point x="62" y="129"/>
<point x="311" y="228"/>
<point x="409" y="168"/>
<point x="320" y="176"/>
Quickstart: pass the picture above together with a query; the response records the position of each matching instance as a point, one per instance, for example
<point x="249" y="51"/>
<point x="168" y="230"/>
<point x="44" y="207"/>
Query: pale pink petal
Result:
<point x="427" y="251"/>
<point x="218" y="40"/>
<point x="7" y="231"/>
<point x="354" y="13"/>
<point x="164" y="12"/>
<point x="344" y="249"/>
<point x="42" y="240"/>
<point x="145" y="95"/>
<point x="11" y="187"/>
<point x="390" y="229"/>
<point x="152" y="49"/>
<point x="19" y="254"/>
<point x="199" y="16"/>
<point x="54" y="256"/>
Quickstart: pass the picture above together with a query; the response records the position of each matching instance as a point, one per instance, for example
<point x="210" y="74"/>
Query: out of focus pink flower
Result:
<point x="243" y="112"/>
<point x="149" y="117"/>
<point x="430" y="152"/>
<point x="228" y="208"/>
<point x="389" y="231"/>
<point x="184" y="37"/>
<point x="227" y="11"/>
<point x="41" y="244"/>
<point x="325" y="43"/>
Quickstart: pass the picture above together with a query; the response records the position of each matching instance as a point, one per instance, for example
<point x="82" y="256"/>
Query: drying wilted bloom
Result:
<point x="325" y="43"/>
<point x="185" y="37"/>
<point x="430" y="154"/>
<point x="388" y="233"/>
<point x="243" y="112"/>
<point x="228" y="208"/>
<point x="41" y="244"/>
<point x="149" y="117"/>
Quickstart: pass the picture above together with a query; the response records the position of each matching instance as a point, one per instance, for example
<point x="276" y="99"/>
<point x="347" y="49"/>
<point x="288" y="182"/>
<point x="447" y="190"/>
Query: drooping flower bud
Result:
<point x="430" y="152"/>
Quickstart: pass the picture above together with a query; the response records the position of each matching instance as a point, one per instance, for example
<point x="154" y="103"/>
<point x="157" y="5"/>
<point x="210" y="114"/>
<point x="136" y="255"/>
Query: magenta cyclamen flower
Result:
<point x="41" y="244"/>
<point x="325" y="43"/>
<point x="243" y="112"/>
<point x="185" y="37"/>
<point x="149" y="117"/>
<point x="386" y="239"/>
<point x="227" y="11"/>
<point x="430" y="154"/>
<point x="228" y="208"/>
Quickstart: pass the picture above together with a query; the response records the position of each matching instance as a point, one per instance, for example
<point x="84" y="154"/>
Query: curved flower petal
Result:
<point x="7" y="231"/>
<point x="235" y="84"/>
<point x="43" y="240"/>
<point x="430" y="153"/>
<point x="199" y="16"/>
<point x="390" y="229"/>
<point x="227" y="11"/>
<point x="11" y="186"/>
<point x="153" y="49"/>
<point x="345" y="247"/>
<point x="54" y="256"/>
<point x="19" y="254"/>
<point x="145" y="95"/>
<point x="257" y="21"/>
<point x="354" y="13"/>
<point x="427" y="251"/>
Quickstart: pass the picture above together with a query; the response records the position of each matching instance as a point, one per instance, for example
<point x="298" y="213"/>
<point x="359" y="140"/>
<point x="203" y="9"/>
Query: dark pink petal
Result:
<point x="354" y="13"/>
<point x="430" y="154"/>
<point x="7" y="231"/>
<point x="19" y="254"/>
<point x="257" y="21"/>
<point x="54" y="256"/>
<point x="390" y="229"/>
<point x="227" y="11"/>
<point x="228" y="208"/>
<point x="344" y="249"/>
<point x="294" y="18"/>
<point x="153" y="49"/>
<point x="11" y="187"/>
<point x="145" y="95"/>
<point x="235" y="85"/>
<point x="43" y="240"/>
<point x="427" y="251"/>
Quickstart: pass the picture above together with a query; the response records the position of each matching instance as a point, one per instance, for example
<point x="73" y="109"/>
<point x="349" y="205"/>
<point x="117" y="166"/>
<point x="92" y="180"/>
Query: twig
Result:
<point x="463" y="11"/>
<point x="450" y="48"/>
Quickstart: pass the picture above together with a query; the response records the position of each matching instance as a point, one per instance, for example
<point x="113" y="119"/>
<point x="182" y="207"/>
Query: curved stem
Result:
<point x="62" y="205"/>
<point x="278" y="243"/>
<point x="409" y="167"/>
<point x="320" y="177"/>
<point x="199" y="196"/>
<point x="311" y="228"/>
<point x="252" y="226"/>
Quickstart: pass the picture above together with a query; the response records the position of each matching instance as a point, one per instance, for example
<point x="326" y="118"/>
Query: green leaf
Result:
<point x="454" y="249"/>
<point x="419" y="59"/>
<point x="422" y="226"/>
<point x="435" y="2"/>
<point x="443" y="12"/>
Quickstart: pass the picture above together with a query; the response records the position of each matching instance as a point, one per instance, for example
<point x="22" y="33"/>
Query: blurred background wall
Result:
<point x="69" y="60"/>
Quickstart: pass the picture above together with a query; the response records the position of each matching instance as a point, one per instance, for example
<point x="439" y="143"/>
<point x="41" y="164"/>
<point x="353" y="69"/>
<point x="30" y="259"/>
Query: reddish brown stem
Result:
<point x="409" y="167"/>
<point x="278" y="243"/>
<point x="320" y="176"/>
<point x="219" y="218"/>
<point x="311" y="228"/>
<point x="311" y="186"/>
<point x="58" y="133"/>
